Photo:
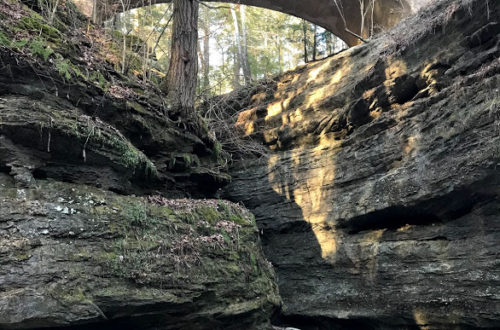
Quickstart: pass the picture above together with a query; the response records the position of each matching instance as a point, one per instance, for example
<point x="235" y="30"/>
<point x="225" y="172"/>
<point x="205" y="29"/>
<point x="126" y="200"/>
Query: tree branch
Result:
<point x="161" y="34"/>
<point x="355" y="35"/>
<point x="213" y="7"/>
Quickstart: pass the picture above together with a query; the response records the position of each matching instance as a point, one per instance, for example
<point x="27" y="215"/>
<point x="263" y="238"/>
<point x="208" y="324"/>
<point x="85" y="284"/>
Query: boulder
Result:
<point x="75" y="256"/>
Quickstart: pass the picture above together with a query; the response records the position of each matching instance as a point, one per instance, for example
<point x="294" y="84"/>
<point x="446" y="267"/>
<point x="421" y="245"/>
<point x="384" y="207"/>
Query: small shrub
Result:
<point x="99" y="79"/>
<point x="63" y="67"/>
<point x="209" y="214"/>
<point x="135" y="214"/>
<point x="18" y="44"/>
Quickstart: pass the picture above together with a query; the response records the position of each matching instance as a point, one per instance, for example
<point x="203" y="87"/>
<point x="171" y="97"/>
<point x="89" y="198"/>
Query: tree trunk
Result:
<point x="236" y="70"/>
<point x="315" y="43"/>
<point x="246" y="64"/>
<point x="304" y="31"/>
<point x="53" y="12"/>
<point x="329" y="43"/>
<point x="124" y="53"/>
<point x="95" y="12"/>
<point x="183" y="70"/>
<point x="362" y="12"/>
<point x="125" y="5"/>
<point x="280" y="59"/>
<point x="206" y="54"/>
<point x="237" y="56"/>
<point x="223" y="57"/>
<point x="371" y="17"/>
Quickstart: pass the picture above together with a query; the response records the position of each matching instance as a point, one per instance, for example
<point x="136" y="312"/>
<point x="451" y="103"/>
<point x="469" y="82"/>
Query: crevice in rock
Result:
<point x="39" y="174"/>
<point x="390" y="218"/>
<point x="323" y="323"/>
<point x="438" y="238"/>
<point x="4" y="169"/>
<point x="405" y="89"/>
<point x="436" y="210"/>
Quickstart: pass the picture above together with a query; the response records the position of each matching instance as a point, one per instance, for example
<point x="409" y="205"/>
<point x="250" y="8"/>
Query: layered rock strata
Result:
<point x="88" y="157"/>
<point x="379" y="203"/>
<point x="75" y="256"/>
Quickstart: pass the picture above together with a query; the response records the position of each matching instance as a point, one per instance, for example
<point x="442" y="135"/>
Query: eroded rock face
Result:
<point x="67" y="113"/>
<point x="79" y="142"/>
<point x="379" y="204"/>
<point x="76" y="255"/>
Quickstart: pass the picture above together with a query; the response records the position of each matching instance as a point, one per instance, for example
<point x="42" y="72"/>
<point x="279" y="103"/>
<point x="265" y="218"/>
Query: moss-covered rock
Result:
<point x="58" y="138"/>
<point x="121" y="118"/>
<point x="36" y="24"/>
<point x="85" y="256"/>
<point x="88" y="255"/>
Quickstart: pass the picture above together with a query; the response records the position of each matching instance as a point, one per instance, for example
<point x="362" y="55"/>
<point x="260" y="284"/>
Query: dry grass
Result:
<point x="222" y="112"/>
<point x="427" y="21"/>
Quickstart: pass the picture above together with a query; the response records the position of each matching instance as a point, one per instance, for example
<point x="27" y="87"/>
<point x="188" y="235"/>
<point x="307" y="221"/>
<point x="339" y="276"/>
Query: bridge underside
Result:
<point x="325" y="13"/>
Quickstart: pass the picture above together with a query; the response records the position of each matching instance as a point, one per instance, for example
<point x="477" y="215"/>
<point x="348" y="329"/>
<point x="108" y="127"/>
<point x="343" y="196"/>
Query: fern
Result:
<point x="63" y="67"/>
<point x="4" y="41"/>
<point x="37" y="47"/>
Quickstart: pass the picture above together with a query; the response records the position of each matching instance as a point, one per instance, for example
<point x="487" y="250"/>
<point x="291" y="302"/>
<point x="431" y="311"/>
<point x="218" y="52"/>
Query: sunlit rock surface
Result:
<point x="379" y="204"/>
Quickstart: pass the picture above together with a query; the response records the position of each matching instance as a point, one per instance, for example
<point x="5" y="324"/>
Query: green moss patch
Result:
<point x="39" y="47"/>
<point x="35" y="24"/>
<point x="4" y="41"/>
<point x="96" y="136"/>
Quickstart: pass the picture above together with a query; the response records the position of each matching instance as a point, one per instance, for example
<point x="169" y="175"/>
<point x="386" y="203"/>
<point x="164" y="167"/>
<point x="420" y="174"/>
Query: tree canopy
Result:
<point x="236" y="44"/>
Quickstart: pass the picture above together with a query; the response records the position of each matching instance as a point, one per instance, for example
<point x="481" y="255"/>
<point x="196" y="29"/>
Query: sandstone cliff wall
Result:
<point x="379" y="203"/>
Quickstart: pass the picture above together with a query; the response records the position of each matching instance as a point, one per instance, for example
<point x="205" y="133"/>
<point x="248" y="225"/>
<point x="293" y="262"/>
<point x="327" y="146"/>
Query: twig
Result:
<point x="161" y="34"/>
<point x="355" y="35"/>
<point x="53" y="14"/>
<point x="213" y="7"/>
<point x="159" y="21"/>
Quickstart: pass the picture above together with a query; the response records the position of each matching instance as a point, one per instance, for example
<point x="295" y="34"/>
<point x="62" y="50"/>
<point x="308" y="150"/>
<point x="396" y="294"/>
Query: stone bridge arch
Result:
<point x="324" y="13"/>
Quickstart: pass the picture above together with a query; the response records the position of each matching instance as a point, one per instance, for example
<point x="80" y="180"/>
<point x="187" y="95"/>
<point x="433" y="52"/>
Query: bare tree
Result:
<point x="205" y="50"/>
<point x="304" y="38"/>
<point x="237" y="42"/>
<point x="364" y="9"/>
<point x="315" y="42"/>
<point x="340" y="9"/>
<point x="240" y="40"/>
<point x="246" y="65"/>
<point x="125" y="6"/>
<point x="49" y="9"/>
<point x="53" y="13"/>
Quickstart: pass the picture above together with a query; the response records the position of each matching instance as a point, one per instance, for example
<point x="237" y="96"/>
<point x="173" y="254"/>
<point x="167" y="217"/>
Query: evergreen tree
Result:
<point x="181" y="78"/>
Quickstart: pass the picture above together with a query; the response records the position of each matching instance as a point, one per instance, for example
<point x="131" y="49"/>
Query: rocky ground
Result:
<point x="67" y="106"/>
